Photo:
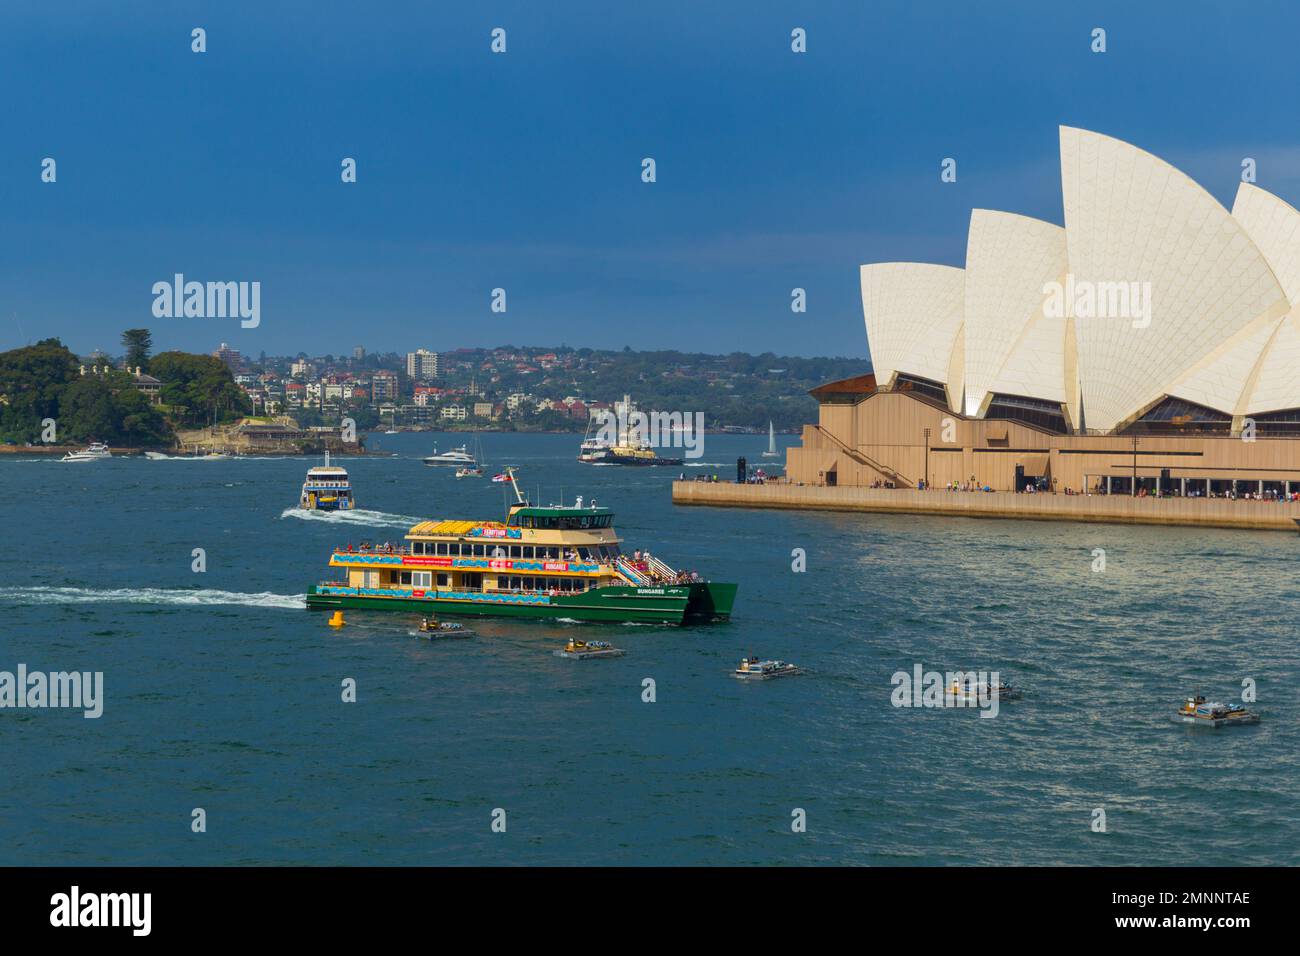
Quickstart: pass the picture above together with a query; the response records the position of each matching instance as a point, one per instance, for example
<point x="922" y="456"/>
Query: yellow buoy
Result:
<point x="337" y="619"/>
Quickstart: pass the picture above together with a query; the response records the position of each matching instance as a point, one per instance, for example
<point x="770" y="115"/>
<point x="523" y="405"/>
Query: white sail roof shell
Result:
<point x="1221" y="291"/>
<point x="1131" y="217"/>
<point x="913" y="311"/>
<point x="1274" y="226"/>
<point x="1011" y="346"/>
<point x="1277" y="378"/>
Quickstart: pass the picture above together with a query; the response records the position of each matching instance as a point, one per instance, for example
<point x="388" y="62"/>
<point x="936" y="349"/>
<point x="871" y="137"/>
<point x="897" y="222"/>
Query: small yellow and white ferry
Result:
<point x="557" y="562"/>
<point x="327" y="488"/>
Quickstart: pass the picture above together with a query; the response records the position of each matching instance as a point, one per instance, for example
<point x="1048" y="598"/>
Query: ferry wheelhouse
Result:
<point x="558" y="561"/>
<point x="327" y="488"/>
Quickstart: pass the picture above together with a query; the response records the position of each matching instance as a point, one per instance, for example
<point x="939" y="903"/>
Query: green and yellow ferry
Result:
<point x="558" y="562"/>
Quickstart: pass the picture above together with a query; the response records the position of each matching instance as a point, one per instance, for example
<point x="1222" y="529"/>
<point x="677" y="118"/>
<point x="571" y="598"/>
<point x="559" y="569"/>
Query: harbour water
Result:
<point x="222" y="692"/>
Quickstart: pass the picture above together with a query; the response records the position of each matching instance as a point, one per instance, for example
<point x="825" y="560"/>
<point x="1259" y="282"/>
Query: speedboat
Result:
<point x="431" y="628"/>
<point x="156" y="456"/>
<point x="457" y="456"/>
<point x="1199" y="713"/>
<point x="581" y="650"/>
<point x="751" y="668"/>
<point x="469" y="472"/>
<point x="92" y="452"/>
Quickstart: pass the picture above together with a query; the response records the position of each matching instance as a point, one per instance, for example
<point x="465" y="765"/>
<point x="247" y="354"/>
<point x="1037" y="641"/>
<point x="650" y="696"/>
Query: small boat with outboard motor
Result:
<point x="432" y="628"/>
<point x="751" y="668"/>
<point x="972" y="692"/>
<point x="581" y="650"/>
<point x="92" y="452"/>
<point x="1199" y="712"/>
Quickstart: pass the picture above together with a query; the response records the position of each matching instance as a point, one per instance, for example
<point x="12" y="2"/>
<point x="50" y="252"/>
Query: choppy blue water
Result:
<point x="223" y="693"/>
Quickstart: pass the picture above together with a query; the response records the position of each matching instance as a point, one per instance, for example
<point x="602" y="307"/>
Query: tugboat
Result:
<point x="92" y="452"/>
<point x="553" y="562"/>
<point x="751" y="668"/>
<point x="327" y="488"/>
<point x="581" y="650"/>
<point x="432" y="628"/>
<point x="629" y="447"/>
<point x="1197" y="712"/>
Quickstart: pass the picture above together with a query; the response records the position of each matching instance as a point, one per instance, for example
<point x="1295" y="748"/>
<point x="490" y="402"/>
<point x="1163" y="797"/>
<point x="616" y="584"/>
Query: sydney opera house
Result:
<point x="1152" y="345"/>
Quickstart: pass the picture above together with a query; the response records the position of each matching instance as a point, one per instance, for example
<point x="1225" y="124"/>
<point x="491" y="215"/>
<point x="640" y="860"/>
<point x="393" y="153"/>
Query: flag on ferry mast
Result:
<point x="499" y="478"/>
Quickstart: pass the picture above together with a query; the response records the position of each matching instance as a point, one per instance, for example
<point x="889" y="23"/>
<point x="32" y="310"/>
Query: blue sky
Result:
<point x="522" y="170"/>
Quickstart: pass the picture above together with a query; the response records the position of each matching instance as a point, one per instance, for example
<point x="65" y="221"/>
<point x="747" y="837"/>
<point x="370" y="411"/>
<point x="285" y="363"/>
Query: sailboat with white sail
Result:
<point x="771" y="442"/>
<point x="475" y="468"/>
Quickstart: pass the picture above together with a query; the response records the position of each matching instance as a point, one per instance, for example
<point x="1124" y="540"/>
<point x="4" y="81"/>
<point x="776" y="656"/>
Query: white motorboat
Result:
<point x="457" y="456"/>
<point x="92" y="452"/>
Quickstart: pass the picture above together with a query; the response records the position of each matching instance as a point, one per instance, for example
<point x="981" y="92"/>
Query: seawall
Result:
<point x="1115" y="509"/>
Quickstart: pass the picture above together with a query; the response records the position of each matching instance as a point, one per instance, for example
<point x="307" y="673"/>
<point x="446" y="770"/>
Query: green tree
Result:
<point x="199" y="388"/>
<point x="32" y="381"/>
<point x="138" y="344"/>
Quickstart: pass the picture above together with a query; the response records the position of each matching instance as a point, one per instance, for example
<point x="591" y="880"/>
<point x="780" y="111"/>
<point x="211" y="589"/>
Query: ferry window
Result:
<point x="453" y="548"/>
<point x="417" y="547"/>
<point x="584" y="553"/>
<point x="480" y="550"/>
<point x="443" y="580"/>
<point x="515" y="551"/>
<point x="404" y="577"/>
<point x="528" y="551"/>
<point x="421" y="579"/>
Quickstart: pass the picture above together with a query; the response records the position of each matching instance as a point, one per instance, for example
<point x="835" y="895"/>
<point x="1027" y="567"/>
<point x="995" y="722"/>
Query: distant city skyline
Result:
<point x="522" y="170"/>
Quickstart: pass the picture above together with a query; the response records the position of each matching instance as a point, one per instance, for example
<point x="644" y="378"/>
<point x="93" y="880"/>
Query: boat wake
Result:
<point x="170" y="596"/>
<point x="358" y="516"/>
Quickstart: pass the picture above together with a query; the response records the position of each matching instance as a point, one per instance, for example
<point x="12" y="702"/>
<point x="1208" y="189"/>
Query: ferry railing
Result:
<point x="661" y="569"/>
<point x="632" y="573"/>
